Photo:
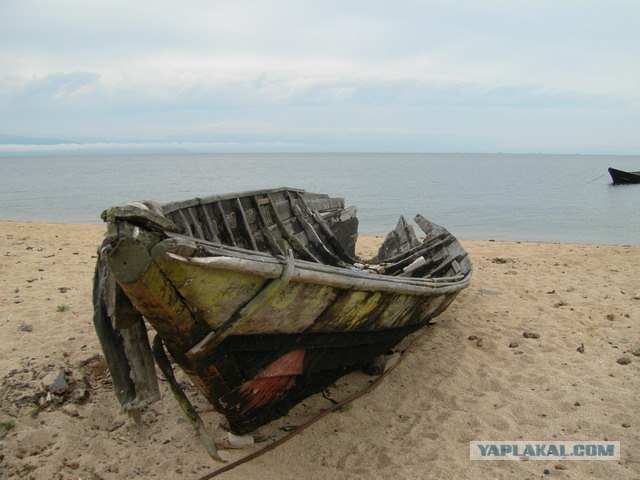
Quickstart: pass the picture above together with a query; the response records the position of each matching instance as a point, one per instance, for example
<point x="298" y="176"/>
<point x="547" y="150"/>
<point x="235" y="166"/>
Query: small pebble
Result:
<point x="576" y="404"/>
<point x="559" y="466"/>
<point x="479" y="342"/>
<point x="546" y="471"/>
<point x="626" y="425"/>
<point x="530" y="335"/>
<point x="580" y="348"/>
<point x="624" y="360"/>
<point x="25" y="327"/>
<point x="472" y="337"/>
<point x="514" y="345"/>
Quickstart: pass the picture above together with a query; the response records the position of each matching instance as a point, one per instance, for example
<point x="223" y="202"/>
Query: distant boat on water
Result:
<point x="620" y="176"/>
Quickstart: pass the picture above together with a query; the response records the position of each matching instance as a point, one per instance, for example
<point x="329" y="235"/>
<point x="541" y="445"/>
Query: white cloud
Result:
<point x="113" y="69"/>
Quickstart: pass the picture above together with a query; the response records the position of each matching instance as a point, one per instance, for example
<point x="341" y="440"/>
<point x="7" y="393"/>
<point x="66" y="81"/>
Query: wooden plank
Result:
<point x="188" y="409"/>
<point x="196" y="222"/>
<point x="212" y="230"/>
<point x="126" y="350"/>
<point x="185" y="223"/>
<point x="265" y="228"/>
<point x="314" y="239"/>
<point x="337" y="247"/>
<point x="398" y="241"/>
<point x="177" y="205"/>
<point x="325" y="204"/>
<point x="429" y="228"/>
<point x="295" y="242"/>
<point x="225" y="222"/>
<point x="246" y="224"/>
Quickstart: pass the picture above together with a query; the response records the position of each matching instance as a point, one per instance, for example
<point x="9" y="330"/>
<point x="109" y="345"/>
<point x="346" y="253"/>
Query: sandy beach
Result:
<point x="472" y="376"/>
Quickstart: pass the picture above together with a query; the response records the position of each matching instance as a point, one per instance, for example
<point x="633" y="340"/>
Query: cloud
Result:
<point x="152" y="70"/>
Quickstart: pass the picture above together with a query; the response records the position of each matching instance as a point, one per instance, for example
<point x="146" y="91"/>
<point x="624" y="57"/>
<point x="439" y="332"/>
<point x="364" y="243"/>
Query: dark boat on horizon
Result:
<point x="620" y="176"/>
<point x="259" y="296"/>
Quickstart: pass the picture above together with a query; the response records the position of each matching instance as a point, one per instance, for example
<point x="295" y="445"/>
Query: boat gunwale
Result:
<point x="313" y="273"/>
<point x="171" y="207"/>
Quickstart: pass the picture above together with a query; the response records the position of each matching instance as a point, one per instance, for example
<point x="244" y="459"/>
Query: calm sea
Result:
<point x="476" y="196"/>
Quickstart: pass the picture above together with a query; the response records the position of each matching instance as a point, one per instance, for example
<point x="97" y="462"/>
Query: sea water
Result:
<point x="563" y="198"/>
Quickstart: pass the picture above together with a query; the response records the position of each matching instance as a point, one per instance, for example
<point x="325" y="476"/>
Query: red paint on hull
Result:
<point x="272" y="383"/>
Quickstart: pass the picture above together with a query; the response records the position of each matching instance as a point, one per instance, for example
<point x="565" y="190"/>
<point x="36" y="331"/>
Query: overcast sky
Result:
<point x="468" y="76"/>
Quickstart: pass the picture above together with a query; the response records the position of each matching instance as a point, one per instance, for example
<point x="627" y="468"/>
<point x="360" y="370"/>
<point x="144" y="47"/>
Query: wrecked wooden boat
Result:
<point x="620" y="176"/>
<point x="259" y="296"/>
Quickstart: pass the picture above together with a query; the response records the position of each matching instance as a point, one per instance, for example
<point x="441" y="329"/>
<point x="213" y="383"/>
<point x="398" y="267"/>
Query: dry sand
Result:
<point x="450" y="389"/>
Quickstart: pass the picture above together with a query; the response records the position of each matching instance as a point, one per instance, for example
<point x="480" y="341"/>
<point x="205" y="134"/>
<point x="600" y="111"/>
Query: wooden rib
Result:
<point x="265" y="228"/>
<point x="425" y="250"/>
<point x="196" y="222"/>
<point x="337" y="246"/>
<point x="246" y="223"/>
<point x="314" y="238"/>
<point x="425" y="244"/>
<point x="207" y="217"/>
<point x="185" y="223"/>
<point x="225" y="222"/>
<point x="295" y="243"/>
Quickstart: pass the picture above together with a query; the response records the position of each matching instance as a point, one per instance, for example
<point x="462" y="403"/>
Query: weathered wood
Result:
<point x="212" y="229"/>
<point x="429" y="228"/>
<point x="337" y="247"/>
<point x="271" y="290"/>
<point x="293" y="240"/>
<point x="344" y="226"/>
<point x="127" y="351"/>
<point x="245" y="222"/>
<point x="258" y="332"/>
<point x="398" y="241"/>
<point x="185" y="223"/>
<point x="225" y="222"/>
<point x="144" y="214"/>
<point x="329" y="257"/>
<point x="196" y="223"/>
<point x="265" y="227"/>
<point x="188" y="409"/>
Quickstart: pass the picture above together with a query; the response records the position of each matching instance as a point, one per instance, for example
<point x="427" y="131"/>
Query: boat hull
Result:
<point x="296" y="343"/>
<point x="620" y="176"/>
<point x="257" y="331"/>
